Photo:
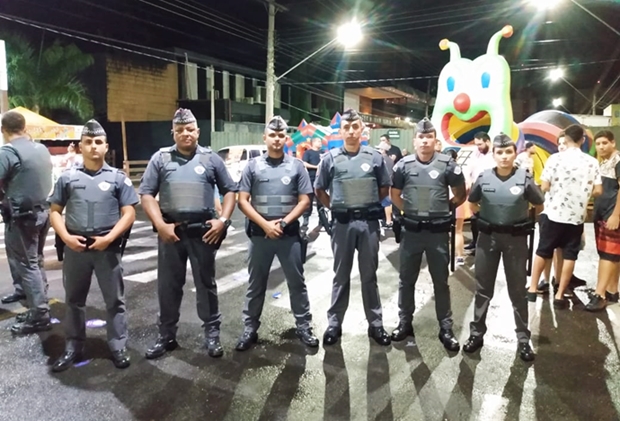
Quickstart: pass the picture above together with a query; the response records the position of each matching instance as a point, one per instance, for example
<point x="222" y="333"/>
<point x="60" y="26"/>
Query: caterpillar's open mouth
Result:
<point x="460" y="132"/>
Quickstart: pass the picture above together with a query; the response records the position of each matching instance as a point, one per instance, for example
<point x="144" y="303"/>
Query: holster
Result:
<point x="304" y="248"/>
<point x="397" y="228"/>
<point x="60" y="247"/>
<point x="325" y="222"/>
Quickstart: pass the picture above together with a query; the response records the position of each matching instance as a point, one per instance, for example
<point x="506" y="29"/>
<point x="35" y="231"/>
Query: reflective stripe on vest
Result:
<point x="275" y="191"/>
<point x="92" y="202"/>
<point x="503" y="202"/>
<point x="354" y="185"/>
<point x="425" y="193"/>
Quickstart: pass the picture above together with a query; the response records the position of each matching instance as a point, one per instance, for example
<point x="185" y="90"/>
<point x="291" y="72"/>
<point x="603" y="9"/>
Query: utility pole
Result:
<point x="270" y="85"/>
<point x="212" y="91"/>
<point x="4" y="83"/>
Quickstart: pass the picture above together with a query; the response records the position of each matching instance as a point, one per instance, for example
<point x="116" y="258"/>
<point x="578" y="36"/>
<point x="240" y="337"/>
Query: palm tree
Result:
<point x="47" y="80"/>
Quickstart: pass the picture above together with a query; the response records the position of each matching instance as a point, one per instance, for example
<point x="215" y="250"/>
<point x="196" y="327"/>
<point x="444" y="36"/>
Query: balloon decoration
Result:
<point x="301" y="140"/>
<point x="474" y="96"/>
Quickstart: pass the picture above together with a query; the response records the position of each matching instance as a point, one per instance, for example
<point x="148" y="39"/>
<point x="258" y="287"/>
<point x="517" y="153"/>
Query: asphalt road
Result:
<point x="576" y="375"/>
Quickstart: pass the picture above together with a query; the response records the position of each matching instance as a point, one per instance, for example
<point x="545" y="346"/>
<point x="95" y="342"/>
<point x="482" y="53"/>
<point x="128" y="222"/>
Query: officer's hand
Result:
<point x="215" y="233"/>
<point x="75" y="243"/>
<point x="612" y="222"/>
<point x="273" y="229"/>
<point x="101" y="243"/>
<point x="167" y="234"/>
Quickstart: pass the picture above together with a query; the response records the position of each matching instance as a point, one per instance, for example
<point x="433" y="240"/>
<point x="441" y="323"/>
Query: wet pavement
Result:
<point x="575" y="376"/>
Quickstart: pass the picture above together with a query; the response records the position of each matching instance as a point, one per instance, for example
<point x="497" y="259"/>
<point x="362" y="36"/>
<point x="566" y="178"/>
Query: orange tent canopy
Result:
<point x="42" y="128"/>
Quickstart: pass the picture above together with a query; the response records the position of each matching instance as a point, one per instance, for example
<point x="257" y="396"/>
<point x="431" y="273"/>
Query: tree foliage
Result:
<point x="47" y="79"/>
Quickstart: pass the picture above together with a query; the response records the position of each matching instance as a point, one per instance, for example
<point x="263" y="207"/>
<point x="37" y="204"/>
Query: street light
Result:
<point x="349" y="35"/>
<point x="545" y="4"/>
<point x="557" y="102"/>
<point x="556" y="74"/>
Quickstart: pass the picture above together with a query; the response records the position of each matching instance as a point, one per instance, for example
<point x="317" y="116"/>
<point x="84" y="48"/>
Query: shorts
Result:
<point x="555" y="235"/>
<point x="386" y="202"/>
<point x="607" y="242"/>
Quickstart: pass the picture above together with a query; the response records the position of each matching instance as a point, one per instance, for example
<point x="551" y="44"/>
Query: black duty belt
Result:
<point x="253" y="230"/>
<point x="344" y="216"/>
<point x="436" y="225"/>
<point x="517" y="230"/>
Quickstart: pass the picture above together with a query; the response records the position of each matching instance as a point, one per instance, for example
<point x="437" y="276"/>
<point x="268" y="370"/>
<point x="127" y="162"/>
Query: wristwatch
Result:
<point x="226" y="222"/>
<point x="283" y="224"/>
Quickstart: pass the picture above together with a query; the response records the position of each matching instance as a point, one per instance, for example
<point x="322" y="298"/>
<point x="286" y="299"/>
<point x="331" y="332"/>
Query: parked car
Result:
<point x="236" y="157"/>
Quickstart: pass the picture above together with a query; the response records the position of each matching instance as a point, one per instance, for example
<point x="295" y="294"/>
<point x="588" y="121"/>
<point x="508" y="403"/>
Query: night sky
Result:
<point x="401" y="37"/>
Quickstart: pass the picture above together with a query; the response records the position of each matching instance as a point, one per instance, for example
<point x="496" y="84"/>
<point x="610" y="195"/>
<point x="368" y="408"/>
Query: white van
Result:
<point x="236" y="157"/>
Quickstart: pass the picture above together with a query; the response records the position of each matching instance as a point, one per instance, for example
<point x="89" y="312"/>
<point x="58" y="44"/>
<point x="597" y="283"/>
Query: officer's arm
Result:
<point x="533" y="194"/>
<point x="149" y="187"/>
<point x="456" y="181"/>
<point x="304" y="187"/>
<point x="57" y="222"/>
<point x="383" y="177"/>
<point x="398" y="184"/>
<point x="248" y="210"/>
<point x="245" y="189"/>
<point x="127" y="199"/>
<point x="226" y="185"/>
<point x="322" y="181"/>
<point x="475" y="196"/>
<point x="128" y="217"/>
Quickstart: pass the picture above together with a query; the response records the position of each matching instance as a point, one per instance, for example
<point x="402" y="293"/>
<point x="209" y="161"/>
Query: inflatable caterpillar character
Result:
<point x="474" y="96"/>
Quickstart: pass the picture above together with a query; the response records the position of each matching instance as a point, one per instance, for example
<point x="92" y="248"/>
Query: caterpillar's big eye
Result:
<point x="486" y="80"/>
<point x="451" y="83"/>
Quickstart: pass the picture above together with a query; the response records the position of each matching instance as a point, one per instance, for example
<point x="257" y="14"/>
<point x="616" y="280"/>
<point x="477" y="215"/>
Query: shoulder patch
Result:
<point x="128" y="182"/>
<point x="458" y="170"/>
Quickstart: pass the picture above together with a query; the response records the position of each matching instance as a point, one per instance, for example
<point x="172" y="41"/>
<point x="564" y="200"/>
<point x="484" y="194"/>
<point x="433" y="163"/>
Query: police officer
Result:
<point x="503" y="195"/>
<point x="99" y="209"/>
<point x="358" y="180"/>
<point x="279" y="188"/>
<point x="423" y="180"/>
<point x="184" y="175"/>
<point x="26" y="179"/>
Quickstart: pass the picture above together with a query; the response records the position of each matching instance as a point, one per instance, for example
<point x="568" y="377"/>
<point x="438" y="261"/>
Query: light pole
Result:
<point x="4" y="83"/>
<point x="349" y="35"/>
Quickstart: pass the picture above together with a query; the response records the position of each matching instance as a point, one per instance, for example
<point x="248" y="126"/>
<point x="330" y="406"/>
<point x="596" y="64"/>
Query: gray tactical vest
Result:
<point x="32" y="183"/>
<point x="354" y="185"/>
<point x="425" y="193"/>
<point x="275" y="191"/>
<point x="92" y="206"/>
<point x="186" y="188"/>
<point x="503" y="202"/>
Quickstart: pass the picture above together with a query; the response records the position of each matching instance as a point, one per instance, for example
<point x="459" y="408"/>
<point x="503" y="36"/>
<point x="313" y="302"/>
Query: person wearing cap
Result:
<point x="358" y="180"/>
<point x="26" y="180"/>
<point x="503" y="196"/>
<point x="273" y="193"/>
<point x="420" y="187"/>
<point x="98" y="203"/>
<point x="184" y="176"/>
<point x="525" y="159"/>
